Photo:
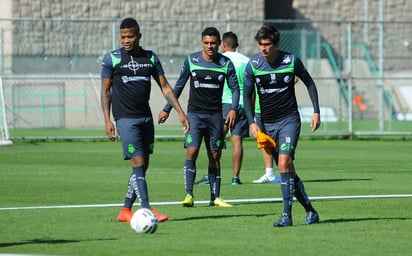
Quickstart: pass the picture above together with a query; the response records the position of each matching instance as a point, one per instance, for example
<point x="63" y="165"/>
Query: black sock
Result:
<point x="301" y="195"/>
<point x="287" y="189"/>
<point x="214" y="182"/>
<point x="130" y="195"/>
<point x="138" y="181"/>
<point x="189" y="175"/>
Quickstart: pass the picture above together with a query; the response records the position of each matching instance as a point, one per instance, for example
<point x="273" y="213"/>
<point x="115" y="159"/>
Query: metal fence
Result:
<point x="50" y="69"/>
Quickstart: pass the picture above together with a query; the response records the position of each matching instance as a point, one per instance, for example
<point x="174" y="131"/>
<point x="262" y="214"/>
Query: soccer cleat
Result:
<point x="125" y="215"/>
<point x="236" y="181"/>
<point x="219" y="202"/>
<point x="267" y="179"/>
<point x="160" y="217"/>
<point x="312" y="217"/>
<point x="188" y="202"/>
<point x="284" y="221"/>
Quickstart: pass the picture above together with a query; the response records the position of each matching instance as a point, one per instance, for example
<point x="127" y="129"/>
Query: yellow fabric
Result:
<point x="264" y="141"/>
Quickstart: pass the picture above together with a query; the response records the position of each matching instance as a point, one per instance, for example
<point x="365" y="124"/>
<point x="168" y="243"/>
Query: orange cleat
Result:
<point x="125" y="215"/>
<point x="160" y="217"/>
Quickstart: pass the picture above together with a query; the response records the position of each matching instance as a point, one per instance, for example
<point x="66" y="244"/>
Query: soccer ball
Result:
<point x="144" y="221"/>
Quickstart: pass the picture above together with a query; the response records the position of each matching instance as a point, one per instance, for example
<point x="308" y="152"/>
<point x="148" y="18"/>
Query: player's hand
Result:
<point x="231" y="118"/>
<point x="185" y="123"/>
<point x="315" y="122"/>
<point x="110" y="131"/>
<point x="163" y="116"/>
<point x="253" y="129"/>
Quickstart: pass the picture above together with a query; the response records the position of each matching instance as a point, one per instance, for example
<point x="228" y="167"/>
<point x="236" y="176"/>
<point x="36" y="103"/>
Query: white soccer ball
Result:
<point x="144" y="221"/>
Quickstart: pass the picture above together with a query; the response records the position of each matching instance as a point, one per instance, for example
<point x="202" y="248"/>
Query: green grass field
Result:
<point x="93" y="174"/>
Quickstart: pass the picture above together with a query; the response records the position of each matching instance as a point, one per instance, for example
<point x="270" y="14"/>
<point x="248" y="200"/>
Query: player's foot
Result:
<point x="312" y="217"/>
<point x="160" y="217"/>
<point x="267" y="179"/>
<point x="188" y="202"/>
<point x="284" y="221"/>
<point x="236" y="181"/>
<point x="219" y="202"/>
<point x="125" y="215"/>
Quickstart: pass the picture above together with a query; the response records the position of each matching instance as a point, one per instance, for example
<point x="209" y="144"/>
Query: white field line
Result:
<point x="252" y="200"/>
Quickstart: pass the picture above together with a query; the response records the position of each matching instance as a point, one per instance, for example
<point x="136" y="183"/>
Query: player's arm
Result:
<point x="178" y="89"/>
<point x="233" y="84"/>
<point x="106" y="96"/>
<point x="171" y="98"/>
<point x="248" y="100"/>
<point x="304" y="75"/>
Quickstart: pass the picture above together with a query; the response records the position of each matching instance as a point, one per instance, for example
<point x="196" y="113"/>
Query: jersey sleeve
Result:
<point x="233" y="84"/>
<point x="158" y="65"/>
<point x="248" y="91"/>
<point x="107" y="66"/>
<point x="303" y="74"/>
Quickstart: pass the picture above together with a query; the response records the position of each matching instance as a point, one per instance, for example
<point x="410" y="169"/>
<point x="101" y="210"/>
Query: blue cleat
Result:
<point x="284" y="221"/>
<point x="311" y="218"/>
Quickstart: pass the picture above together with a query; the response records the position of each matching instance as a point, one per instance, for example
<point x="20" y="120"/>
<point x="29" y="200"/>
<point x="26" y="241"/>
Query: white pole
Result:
<point x="380" y="85"/>
<point x="5" y="129"/>
<point x="365" y="24"/>
<point x="349" y="77"/>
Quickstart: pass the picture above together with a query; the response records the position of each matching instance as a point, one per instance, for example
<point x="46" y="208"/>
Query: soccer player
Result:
<point x="126" y="85"/>
<point x="272" y="73"/>
<point x="240" y="129"/>
<point x="207" y="70"/>
<point x="269" y="176"/>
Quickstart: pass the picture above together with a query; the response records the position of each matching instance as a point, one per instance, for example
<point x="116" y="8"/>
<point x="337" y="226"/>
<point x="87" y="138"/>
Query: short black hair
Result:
<point x="270" y="32"/>
<point x="130" y="23"/>
<point x="230" y="39"/>
<point x="211" y="31"/>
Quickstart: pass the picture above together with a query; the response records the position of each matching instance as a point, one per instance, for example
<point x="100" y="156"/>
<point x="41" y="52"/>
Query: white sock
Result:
<point x="270" y="172"/>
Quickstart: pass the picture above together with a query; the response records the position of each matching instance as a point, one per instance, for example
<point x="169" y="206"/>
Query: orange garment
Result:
<point x="264" y="141"/>
<point x="358" y="99"/>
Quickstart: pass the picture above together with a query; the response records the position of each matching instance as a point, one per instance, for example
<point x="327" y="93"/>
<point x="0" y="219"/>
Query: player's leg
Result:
<point x="237" y="158"/>
<point x="214" y="139"/>
<point x="312" y="215"/>
<point x="286" y="134"/>
<point x="192" y="144"/>
<point x="134" y="150"/>
<point x="269" y="175"/>
<point x="239" y="131"/>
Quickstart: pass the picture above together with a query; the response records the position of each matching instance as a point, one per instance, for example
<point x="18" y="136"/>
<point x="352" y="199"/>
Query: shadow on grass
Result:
<point x="360" y="219"/>
<point x="49" y="241"/>
<point x="336" y="180"/>
<point x="221" y="216"/>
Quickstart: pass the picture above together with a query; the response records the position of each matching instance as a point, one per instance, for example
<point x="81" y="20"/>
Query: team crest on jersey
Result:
<point x="287" y="59"/>
<point x="287" y="79"/>
<point x="221" y="77"/>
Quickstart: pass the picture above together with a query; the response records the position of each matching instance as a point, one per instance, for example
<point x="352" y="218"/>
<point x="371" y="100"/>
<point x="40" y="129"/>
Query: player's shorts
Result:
<point x="205" y="126"/>
<point x="137" y="136"/>
<point x="285" y="133"/>
<point x="241" y="127"/>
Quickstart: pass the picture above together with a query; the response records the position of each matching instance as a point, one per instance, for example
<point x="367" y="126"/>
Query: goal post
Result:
<point x="4" y="131"/>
